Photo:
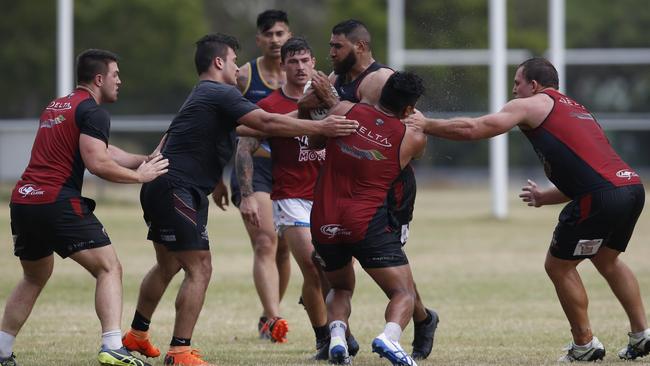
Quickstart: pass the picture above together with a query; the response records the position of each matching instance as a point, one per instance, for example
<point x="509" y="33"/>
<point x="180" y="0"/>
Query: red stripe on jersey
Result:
<point x="295" y="167"/>
<point x="75" y="202"/>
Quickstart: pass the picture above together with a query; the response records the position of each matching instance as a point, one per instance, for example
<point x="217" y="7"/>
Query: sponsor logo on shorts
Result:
<point x="588" y="246"/>
<point x="79" y="246"/>
<point x="373" y="137"/>
<point x="360" y="154"/>
<point x="626" y="174"/>
<point x="332" y="230"/>
<point x="30" y="190"/>
<point x="204" y="233"/>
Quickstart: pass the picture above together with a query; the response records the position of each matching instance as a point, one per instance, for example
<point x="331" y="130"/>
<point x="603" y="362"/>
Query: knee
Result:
<point x="38" y="279"/>
<point x="200" y="271"/>
<point x="110" y="268"/>
<point x="404" y="293"/>
<point x="264" y="246"/>
<point x="168" y="271"/>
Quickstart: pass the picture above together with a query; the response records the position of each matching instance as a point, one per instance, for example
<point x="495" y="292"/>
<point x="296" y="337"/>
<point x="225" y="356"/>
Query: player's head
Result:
<point x="349" y="40"/>
<point x="401" y="92"/>
<point x="217" y="50"/>
<point x="98" y="69"/>
<point x="534" y="75"/>
<point x="298" y="61"/>
<point x="272" y="32"/>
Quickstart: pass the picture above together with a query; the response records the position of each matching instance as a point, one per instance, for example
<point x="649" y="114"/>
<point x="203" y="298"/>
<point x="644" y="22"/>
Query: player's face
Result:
<point x="299" y="67"/>
<point x="230" y="68"/>
<point x="522" y="88"/>
<point x="342" y="54"/>
<point x="110" y="83"/>
<point x="271" y="40"/>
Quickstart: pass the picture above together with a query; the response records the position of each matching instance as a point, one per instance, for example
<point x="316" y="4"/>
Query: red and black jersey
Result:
<point x="575" y="152"/>
<point x="350" y="91"/>
<point x="295" y="167"/>
<point x="55" y="171"/>
<point x="351" y="196"/>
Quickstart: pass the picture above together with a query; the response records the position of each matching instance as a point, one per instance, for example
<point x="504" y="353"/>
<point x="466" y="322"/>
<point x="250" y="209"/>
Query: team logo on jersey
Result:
<point x="360" y="154"/>
<point x="373" y="137"/>
<point x="30" y="190"/>
<point x="49" y="123"/>
<point x="59" y="106"/>
<point x="332" y="230"/>
<point x="626" y="174"/>
<point x="379" y="122"/>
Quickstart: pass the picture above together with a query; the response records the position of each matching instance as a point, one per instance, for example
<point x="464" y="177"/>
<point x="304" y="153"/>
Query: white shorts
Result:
<point x="291" y="212"/>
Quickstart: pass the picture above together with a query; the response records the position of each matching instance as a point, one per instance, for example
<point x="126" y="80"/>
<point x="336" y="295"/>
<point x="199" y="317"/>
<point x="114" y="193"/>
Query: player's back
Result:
<point x="357" y="174"/>
<point x="576" y="154"/>
<point x="55" y="169"/>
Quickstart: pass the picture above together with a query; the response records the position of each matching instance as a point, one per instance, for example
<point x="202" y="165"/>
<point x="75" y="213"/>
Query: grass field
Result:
<point x="484" y="277"/>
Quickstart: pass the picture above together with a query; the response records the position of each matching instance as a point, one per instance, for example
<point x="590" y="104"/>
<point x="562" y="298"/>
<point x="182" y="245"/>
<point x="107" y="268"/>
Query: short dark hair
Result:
<point x="352" y="29"/>
<point x="540" y="70"/>
<point x="294" y="45"/>
<point x="402" y="89"/>
<point x="211" y="46"/>
<point x="92" y="62"/>
<point x="268" y="18"/>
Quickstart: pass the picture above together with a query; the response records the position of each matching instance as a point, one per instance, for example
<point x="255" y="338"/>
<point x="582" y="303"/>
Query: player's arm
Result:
<point x="98" y="161"/>
<point x="371" y="86"/>
<point x="244" y="169"/>
<point x="245" y="131"/>
<point x="317" y="142"/>
<point x="274" y="124"/>
<point x="535" y="197"/>
<point x="243" y="78"/>
<point x="125" y="159"/>
<point x="413" y="145"/>
<point x="466" y="128"/>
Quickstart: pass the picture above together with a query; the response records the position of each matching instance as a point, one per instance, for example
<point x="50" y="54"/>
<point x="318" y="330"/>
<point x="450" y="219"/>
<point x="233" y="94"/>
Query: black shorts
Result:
<point x="262" y="179"/>
<point x="379" y="251"/>
<point x="604" y="218"/>
<point x="176" y="215"/>
<point x="64" y="227"/>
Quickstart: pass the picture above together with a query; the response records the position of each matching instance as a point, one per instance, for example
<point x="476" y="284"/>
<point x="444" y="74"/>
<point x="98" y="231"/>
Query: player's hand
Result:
<point x="335" y="126"/>
<point x="309" y="100"/>
<point x="322" y="87"/>
<point x="220" y="195"/>
<point x="531" y="194"/>
<point x="249" y="210"/>
<point x="152" y="169"/>
<point x="416" y="119"/>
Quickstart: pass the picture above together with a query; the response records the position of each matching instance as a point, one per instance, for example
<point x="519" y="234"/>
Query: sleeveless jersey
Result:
<point x="350" y="199"/>
<point x="55" y="171"/>
<point x="257" y="89"/>
<point x="575" y="152"/>
<point x="295" y="167"/>
<point x="402" y="194"/>
<point x="349" y="90"/>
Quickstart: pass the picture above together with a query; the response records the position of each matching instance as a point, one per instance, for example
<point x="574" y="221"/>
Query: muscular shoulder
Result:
<point x="371" y="85"/>
<point x="244" y="77"/>
<point x="532" y="110"/>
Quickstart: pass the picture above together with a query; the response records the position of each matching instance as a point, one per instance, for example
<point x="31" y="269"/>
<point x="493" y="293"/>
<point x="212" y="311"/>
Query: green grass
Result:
<point x="484" y="277"/>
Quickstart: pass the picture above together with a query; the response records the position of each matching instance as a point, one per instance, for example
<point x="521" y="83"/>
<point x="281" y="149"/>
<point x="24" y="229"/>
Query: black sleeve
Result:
<point x="234" y="104"/>
<point x="94" y="121"/>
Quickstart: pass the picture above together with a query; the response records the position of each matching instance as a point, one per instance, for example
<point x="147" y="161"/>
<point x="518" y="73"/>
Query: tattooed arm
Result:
<point x="244" y="170"/>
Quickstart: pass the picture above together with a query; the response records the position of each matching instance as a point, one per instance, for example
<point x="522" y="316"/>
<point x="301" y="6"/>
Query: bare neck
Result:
<point x="93" y="91"/>
<point x="293" y="90"/>
<point x="362" y="64"/>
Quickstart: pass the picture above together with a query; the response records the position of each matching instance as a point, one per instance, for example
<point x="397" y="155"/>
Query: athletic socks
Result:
<point x="180" y="342"/>
<point x="393" y="331"/>
<point x="112" y="339"/>
<point x="140" y="322"/>
<point x="321" y="332"/>
<point x="427" y="320"/>
<point x="337" y="329"/>
<point x="6" y="344"/>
